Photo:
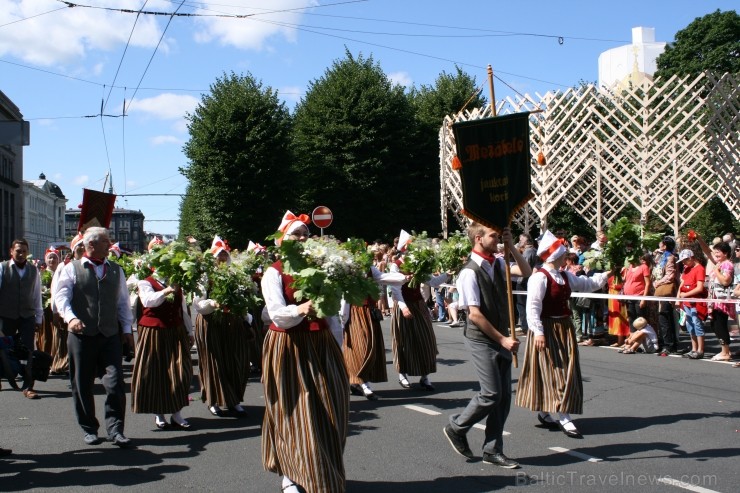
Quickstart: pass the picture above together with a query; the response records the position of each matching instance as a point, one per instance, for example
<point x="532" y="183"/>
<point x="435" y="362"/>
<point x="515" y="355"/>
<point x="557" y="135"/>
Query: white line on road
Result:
<point x="483" y="427"/>
<point x="575" y="454"/>
<point x="686" y="486"/>
<point x="422" y="410"/>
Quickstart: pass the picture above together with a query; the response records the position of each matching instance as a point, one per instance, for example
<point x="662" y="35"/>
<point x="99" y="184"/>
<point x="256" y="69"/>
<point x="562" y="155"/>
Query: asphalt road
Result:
<point x="649" y="423"/>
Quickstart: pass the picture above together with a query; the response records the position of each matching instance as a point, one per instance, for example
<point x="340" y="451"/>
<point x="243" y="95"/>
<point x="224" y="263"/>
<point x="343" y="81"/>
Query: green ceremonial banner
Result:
<point x="495" y="173"/>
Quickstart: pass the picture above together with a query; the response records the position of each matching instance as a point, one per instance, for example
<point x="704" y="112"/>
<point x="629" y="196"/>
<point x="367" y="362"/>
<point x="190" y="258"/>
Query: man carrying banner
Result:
<point x="482" y="290"/>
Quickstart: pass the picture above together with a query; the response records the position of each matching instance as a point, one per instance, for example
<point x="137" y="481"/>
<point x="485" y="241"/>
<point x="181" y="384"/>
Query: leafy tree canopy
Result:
<point x="711" y="43"/>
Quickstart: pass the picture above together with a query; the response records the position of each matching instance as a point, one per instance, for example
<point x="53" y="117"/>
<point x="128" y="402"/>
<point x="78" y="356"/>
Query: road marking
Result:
<point x="422" y="410"/>
<point x="576" y="454"/>
<point x="436" y="413"/>
<point x="686" y="486"/>
<point x="483" y="427"/>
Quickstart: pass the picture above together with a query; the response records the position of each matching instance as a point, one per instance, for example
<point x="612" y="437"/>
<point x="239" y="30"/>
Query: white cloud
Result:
<point x="81" y="180"/>
<point x="166" y="106"/>
<point x="164" y="139"/>
<point x="291" y="93"/>
<point x="131" y="183"/>
<point x="252" y="32"/>
<point x="57" y="176"/>
<point x="401" y="78"/>
<point x="59" y="36"/>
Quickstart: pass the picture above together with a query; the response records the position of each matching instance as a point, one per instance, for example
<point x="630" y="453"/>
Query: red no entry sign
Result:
<point x="322" y="217"/>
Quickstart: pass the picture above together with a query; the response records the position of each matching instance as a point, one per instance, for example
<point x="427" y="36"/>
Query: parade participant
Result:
<point x="160" y="383"/>
<point x="223" y="348"/>
<point x="413" y="342"/>
<point x="305" y="383"/>
<point x="45" y="336"/>
<point x="92" y="298"/>
<point x="60" y="363"/>
<point x="363" y="347"/>
<point x="20" y="305"/>
<point x="550" y="380"/>
<point x="483" y="294"/>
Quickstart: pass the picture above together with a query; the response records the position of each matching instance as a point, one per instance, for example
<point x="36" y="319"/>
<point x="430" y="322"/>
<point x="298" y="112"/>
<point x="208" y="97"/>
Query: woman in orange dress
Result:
<point x="618" y="321"/>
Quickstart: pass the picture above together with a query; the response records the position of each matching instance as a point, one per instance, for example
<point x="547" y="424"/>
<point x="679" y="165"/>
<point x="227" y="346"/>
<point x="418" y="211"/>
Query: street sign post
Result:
<point x="322" y="217"/>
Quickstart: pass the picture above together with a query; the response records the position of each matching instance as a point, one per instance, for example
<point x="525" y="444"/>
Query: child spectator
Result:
<point x="644" y="335"/>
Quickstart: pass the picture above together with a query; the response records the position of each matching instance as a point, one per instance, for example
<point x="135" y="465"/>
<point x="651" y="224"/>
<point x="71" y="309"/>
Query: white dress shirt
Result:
<point x="65" y="284"/>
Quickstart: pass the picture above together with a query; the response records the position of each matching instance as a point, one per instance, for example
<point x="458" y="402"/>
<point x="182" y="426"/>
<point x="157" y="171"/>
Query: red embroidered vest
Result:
<point x="555" y="302"/>
<point x="167" y="314"/>
<point x="288" y="295"/>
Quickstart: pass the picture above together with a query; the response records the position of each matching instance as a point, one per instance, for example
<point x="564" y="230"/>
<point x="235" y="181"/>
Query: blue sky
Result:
<point x="58" y="65"/>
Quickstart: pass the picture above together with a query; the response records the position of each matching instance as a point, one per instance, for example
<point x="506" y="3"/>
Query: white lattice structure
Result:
<point x="664" y="148"/>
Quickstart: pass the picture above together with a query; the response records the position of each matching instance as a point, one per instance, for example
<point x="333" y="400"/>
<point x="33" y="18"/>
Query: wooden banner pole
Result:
<point x="493" y="92"/>
<point x="510" y="298"/>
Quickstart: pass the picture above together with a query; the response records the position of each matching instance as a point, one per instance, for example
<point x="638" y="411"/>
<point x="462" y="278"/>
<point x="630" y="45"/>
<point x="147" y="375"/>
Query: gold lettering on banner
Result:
<point x="475" y="152"/>
<point x="498" y="197"/>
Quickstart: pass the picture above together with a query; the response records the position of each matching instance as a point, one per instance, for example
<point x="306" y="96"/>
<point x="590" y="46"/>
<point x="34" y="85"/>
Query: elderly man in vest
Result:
<point x="20" y="304"/>
<point x="482" y="288"/>
<point x="92" y="298"/>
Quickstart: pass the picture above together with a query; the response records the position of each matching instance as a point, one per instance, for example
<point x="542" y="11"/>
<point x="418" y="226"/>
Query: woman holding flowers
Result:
<point x="223" y="346"/>
<point x="413" y="341"/>
<point x="160" y="382"/>
<point x="305" y="384"/>
<point x="60" y="363"/>
<point x="44" y="338"/>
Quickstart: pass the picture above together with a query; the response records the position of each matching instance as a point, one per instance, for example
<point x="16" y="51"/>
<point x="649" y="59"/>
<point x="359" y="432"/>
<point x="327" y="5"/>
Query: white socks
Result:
<point x="546" y="417"/>
<point x="403" y="378"/>
<point x="566" y="422"/>
<point x="159" y="419"/>
<point x="425" y="380"/>
<point x="289" y="486"/>
<point x="177" y="418"/>
<point x="366" y="389"/>
<point x="238" y="408"/>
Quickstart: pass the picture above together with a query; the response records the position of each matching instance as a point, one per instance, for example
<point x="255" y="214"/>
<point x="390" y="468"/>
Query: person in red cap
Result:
<point x="306" y="385"/>
<point x="222" y="340"/>
<point x="60" y="362"/>
<point x="550" y="380"/>
<point x="20" y="304"/>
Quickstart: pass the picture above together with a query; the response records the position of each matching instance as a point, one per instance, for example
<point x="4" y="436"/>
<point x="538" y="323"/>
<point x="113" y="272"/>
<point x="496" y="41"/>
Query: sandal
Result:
<point x="588" y="342"/>
<point x="736" y="365"/>
<point x="718" y="357"/>
<point x="696" y="356"/>
<point x="628" y="351"/>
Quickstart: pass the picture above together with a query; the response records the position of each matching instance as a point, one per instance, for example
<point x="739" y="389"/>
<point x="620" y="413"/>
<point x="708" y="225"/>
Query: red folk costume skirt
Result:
<point x="163" y="370"/>
<point x="618" y="321"/>
<point x="60" y="363"/>
<point x="550" y="380"/>
<point x="306" y="409"/>
<point x="363" y="348"/>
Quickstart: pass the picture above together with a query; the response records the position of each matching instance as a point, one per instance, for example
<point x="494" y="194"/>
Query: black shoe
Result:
<point x="550" y="425"/>
<point x="371" y="396"/>
<point x="120" y="441"/>
<point x="216" y="411"/>
<point x="179" y="426"/>
<point x="499" y="459"/>
<point x="426" y="385"/>
<point x="92" y="439"/>
<point x="355" y="389"/>
<point x="459" y="442"/>
<point x="161" y="425"/>
<point x="403" y="382"/>
<point x="239" y="413"/>
<point x="5" y="452"/>
<point x="571" y="433"/>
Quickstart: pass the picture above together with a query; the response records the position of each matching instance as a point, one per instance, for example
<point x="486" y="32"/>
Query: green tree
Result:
<point x="449" y="94"/>
<point x="712" y="220"/>
<point x="710" y="43"/>
<point x="353" y="140"/>
<point x="239" y="162"/>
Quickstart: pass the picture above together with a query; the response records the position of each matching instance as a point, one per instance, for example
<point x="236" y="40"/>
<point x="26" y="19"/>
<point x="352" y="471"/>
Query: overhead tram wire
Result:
<point x="31" y="17"/>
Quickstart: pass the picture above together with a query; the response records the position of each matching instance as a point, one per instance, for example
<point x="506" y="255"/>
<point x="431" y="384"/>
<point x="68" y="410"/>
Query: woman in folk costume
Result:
<point x="223" y="348"/>
<point x="413" y="342"/>
<point x="160" y="382"/>
<point x="45" y="337"/>
<point x="550" y="380"/>
<point x="60" y="362"/>
<point x="305" y="384"/>
<point x="363" y="347"/>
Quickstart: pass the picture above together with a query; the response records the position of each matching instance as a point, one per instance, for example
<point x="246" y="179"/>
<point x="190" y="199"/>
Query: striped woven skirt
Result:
<point x="223" y="358"/>
<point x="60" y="363"/>
<point x="45" y="336"/>
<point x="306" y="409"/>
<point x="163" y="370"/>
<point x="364" y="348"/>
<point x="550" y="380"/>
<point x="413" y="342"/>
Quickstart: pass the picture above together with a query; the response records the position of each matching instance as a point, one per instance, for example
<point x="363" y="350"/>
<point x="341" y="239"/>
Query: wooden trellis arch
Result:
<point x="663" y="147"/>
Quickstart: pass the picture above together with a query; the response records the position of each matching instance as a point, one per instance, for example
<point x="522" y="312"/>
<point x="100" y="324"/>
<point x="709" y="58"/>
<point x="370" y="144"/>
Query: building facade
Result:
<point x="11" y="179"/>
<point x="630" y="62"/>
<point x="126" y="228"/>
<point x="43" y="214"/>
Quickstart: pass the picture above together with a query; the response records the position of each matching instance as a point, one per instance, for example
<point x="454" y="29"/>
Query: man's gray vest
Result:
<point x="95" y="301"/>
<point x="16" y="293"/>
<point x="493" y="303"/>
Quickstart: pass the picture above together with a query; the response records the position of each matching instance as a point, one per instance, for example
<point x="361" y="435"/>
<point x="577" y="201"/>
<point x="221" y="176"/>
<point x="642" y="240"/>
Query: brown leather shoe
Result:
<point x="30" y="394"/>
